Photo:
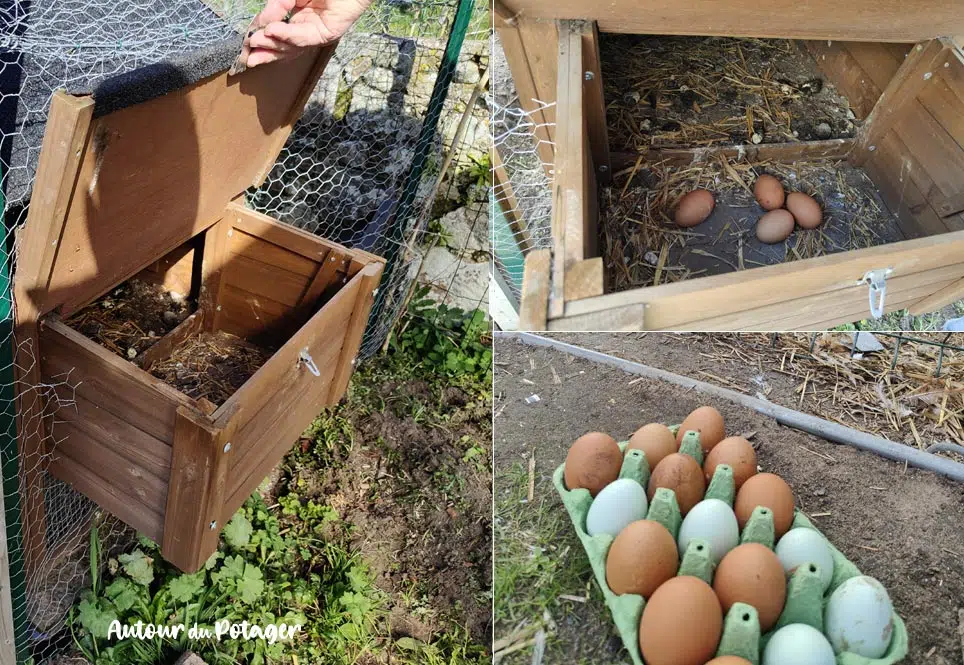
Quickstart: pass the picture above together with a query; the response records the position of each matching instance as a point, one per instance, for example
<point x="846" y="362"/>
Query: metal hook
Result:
<point x="877" y="280"/>
<point x="309" y="362"/>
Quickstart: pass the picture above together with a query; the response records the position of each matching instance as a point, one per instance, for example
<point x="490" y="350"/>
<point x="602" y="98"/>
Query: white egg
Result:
<point x="802" y="545"/>
<point x="798" y="644"/>
<point x="712" y="520"/>
<point x="617" y="504"/>
<point x="859" y="617"/>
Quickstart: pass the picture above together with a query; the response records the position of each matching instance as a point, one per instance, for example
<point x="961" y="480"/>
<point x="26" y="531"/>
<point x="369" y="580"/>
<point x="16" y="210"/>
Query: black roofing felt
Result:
<point x="114" y="81"/>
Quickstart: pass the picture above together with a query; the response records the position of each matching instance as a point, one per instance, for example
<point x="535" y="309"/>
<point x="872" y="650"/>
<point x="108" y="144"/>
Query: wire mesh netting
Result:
<point x="521" y="194"/>
<point x="361" y="167"/>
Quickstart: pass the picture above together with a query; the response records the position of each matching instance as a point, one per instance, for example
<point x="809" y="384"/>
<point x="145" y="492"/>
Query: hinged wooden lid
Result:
<point x="116" y="192"/>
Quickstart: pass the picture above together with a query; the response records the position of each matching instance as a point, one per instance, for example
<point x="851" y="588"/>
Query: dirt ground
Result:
<point x="901" y="526"/>
<point x="693" y="91"/>
<point x="420" y="504"/>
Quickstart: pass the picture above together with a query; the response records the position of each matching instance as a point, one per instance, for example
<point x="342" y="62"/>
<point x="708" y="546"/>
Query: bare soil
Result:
<point x="899" y="525"/>
<point x="420" y="511"/>
<point x="695" y="91"/>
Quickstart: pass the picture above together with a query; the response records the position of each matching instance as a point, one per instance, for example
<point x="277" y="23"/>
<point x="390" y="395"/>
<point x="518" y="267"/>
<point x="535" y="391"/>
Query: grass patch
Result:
<point x="538" y="558"/>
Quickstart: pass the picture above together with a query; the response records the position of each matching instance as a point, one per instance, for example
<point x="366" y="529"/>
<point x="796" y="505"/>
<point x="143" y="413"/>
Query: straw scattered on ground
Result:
<point x="700" y="91"/>
<point x="211" y="365"/>
<point x="642" y="246"/>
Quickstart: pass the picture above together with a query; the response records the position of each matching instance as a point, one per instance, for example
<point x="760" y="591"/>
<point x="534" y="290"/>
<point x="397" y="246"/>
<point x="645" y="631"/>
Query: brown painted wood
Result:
<point x="951" y="205"/>
<point x="213" y="269"/>
<point x="530" y="51"/>
<point x="937" y="300"/>
<point x="594" y="102"/>
<point x="369" y="279"/>
<point x="504" y="194"/>
<point x="163" y="348"/>
<point x="192" y="519"/>
<point x="774" y="152"/>
<point x="534" y="307"/>
<point x="172" y="163"/>
<point x="265" y="280"/>
<point x="673" y="306"/>
<point x="912" y="76"/>
<point x="325" y="276"/>
<point x="254" y="248"/>
<point x="289" y="237"/>
<point x="174" y="272"/>
<point x="110" y="382"/>
<point x="838" y="64"/>
<point x="859" y="20"/>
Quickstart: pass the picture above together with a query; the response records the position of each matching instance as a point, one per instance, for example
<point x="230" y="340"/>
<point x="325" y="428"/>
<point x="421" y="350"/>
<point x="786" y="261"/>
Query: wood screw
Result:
<point x="872" y="148"/>
<point x="227" y="447"/>
<point x="590" y="76"/>
<point x="214" y="525"/>
<point x="928" y="75"/>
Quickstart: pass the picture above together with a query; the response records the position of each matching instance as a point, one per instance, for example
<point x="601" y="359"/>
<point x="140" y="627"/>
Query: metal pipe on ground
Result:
<point x="788" y="417"/>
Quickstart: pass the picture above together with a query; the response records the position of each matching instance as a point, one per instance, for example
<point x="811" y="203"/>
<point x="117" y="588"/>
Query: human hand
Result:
<point x="312" y="23"/>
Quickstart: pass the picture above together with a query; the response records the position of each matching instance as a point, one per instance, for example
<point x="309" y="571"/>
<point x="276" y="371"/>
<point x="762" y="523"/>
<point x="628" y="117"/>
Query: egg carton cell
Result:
<point x="741" y="634"/>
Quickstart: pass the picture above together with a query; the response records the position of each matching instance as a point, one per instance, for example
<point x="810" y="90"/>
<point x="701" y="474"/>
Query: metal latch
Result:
<point x="877" y="280"/>
<point x="305" y="357"/>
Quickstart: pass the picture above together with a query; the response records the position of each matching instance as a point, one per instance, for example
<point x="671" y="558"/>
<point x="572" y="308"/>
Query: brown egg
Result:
<point x="655" y="440"/>
<point x="681" y="474"/>
<point x="735" y="451"/>
<point x="694" y="208"/>
<point x="769" y="192"/>
<point x="771" y="491"/>
<point x="681" y="624"/>
<point x="775" y="226"/>
<point x="729" y="660"/>
<point x="593" y="462"/>
<point x="641" y="558"/>
<point x="708" y="422"/>
<point x="752" y="574"/>
<point x="805" y="210"/>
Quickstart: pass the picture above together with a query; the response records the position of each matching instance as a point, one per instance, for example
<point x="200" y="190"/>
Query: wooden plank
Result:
<point x="936" y="153"/>
<point x="263" y="279"/>
<point x="192" y="519"/>
<point x="584" y="279"/>
<point x="192" y="150"/>
<point x="674" y="305"/>
<point x="630" y="317"/>
<point x="325" y="276"/>
<point x="808" y="151"/>
<point x="289" y="237"/>
<point x="901" y="92"/>
<point x="526" y="43"/>
<point x="162" y="349"/>
<point x="213" y="269"/>
<point x="252" y="247"/>
<point x="878" y="62"/>
<point x="951" y="293"/>
<point x="66" y="135"/>
<point x="251" y="317"/>
<point x="297" y="107"/>
<point x="896" y="175"/>
<point x="859" y="20"/>
<point x="534" y="308"/>
<point x="951" y="205"/>
<point x="175" y="272"/>
<point x="504" y="195"/>
<point x="107" y="495"/>
<point x="8" y="641"/>
<point x="843" y="70"/>
<point x="594" y="102"/>
<point x="369" y="278"/>
<point x="109" y="381"/>
<point x="284" y="396"/>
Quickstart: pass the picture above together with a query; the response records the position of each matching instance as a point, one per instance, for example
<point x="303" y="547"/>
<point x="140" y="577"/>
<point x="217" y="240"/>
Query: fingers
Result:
<point x="265" y="56"/>
<point x="259" y="40"/>
<point x="275" y="10"/>
<point x="298" y="34"/>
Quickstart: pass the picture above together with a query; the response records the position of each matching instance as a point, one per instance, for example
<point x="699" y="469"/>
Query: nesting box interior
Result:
<point x="188" y="339"/>
<point x="651" y="103"/>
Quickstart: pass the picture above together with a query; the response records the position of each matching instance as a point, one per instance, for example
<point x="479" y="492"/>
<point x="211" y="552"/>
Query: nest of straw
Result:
<point x="642" y="245"/>
<point x="211" y="365"/>
<point x="906" y="401"/>
<point x="131" y="318"/>
<point x="700" y="91"/>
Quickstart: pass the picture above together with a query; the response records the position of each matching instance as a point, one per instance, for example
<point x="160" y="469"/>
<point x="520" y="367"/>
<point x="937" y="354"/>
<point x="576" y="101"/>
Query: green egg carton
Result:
<point x="741" y="626"/>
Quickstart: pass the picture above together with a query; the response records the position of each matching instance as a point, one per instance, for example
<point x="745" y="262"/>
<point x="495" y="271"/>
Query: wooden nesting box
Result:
<point x="900" y="64"/>
<point x="155" y="190"/>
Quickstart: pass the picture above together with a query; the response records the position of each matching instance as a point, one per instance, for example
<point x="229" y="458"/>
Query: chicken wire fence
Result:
<point x="384" y="137"/>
